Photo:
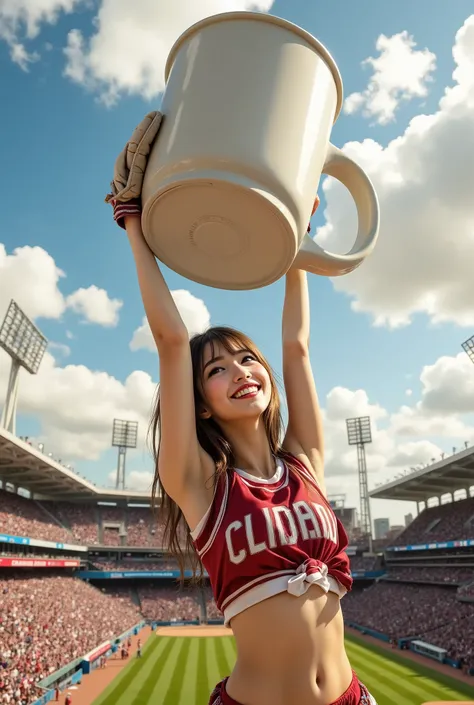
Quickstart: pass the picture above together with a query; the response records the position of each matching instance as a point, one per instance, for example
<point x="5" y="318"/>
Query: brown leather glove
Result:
<point x="131" y="162"/>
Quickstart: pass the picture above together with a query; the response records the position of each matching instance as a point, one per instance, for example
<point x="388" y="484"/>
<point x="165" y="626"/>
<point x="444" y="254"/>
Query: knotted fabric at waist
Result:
<point x="295" y="582"/>
<point x="311" y="572"/>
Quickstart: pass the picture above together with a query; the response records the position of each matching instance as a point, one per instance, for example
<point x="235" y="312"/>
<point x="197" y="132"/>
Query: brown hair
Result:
<point x="210" y="437"/>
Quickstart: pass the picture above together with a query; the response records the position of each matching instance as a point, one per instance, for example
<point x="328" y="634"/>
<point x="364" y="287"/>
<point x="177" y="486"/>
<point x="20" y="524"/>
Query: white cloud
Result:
<point x="423" y="260"/>
<point x="21" y="20"/>
<point x="448" y="385"/>
<point x="95" y="306"/>
<point x="408" y="392"/>
<point x="76" y="406"/>
<point x="341" y="459"/>
<point x="193" y="311"/>
<point x="400" y="73"/>
<point x="411" y="436"/>
<point x="138" y="480"/>
<point x="415" y="422"/>
<point x="447" y="397"/>
<point x="414" y="453"/>
<point x="61" y="349"/>
<point x="145" y="31"/>
<point x="42" y="298"/>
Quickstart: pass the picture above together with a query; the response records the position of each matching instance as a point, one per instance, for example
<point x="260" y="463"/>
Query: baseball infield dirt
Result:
<point x="197" y="630"/>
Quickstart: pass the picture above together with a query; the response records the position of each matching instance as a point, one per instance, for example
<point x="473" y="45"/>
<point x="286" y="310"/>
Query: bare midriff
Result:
<point x="290" y="650"/>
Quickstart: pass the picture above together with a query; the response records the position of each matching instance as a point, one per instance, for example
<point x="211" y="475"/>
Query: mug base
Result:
<point x="221" y="234"/>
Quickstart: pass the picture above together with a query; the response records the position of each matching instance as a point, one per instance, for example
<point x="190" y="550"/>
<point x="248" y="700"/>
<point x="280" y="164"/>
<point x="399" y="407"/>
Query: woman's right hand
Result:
<point x="129" y="169"/>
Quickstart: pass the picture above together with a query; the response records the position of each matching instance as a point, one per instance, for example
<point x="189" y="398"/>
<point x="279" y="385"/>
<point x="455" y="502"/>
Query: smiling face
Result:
<point x="232" y="381"/>
<point x="235" y="384"/>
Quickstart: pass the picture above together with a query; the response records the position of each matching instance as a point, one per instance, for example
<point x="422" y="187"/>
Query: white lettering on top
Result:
<point x="234" y="557"/>
<point x="305" y="515"/>
<point x="253" y="547"/>
<point x="328" y="527"/>
<point x="283" y="526"/>
<point x="287" y="537"/>
<point x="270" y="529"/>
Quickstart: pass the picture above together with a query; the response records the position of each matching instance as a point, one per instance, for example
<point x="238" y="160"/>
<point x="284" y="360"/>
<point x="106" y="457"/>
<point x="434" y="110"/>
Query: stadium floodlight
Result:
<point x="358" y="430"/>
<point x="124" y="435"/>
<point x="358" y="434"/>
<point x="26" y="345"/>
<point x="468" y="347"/>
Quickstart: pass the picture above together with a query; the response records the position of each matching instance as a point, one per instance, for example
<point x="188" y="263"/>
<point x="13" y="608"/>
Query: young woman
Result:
<point x="253" y="498"/>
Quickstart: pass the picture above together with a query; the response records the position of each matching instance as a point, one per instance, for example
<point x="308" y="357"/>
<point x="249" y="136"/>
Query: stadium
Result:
<point x="93" y="610"/>
<point x="83" y="575"/>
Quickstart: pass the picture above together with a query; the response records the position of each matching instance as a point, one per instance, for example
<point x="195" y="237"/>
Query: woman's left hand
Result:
<point x="315" y="208"/>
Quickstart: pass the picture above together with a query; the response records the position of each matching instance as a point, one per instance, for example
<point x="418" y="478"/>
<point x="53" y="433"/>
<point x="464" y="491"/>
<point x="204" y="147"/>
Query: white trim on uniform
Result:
<point x="263" y="591"/>
<point x="278" y="474"/>
<point x="219" y="519"/>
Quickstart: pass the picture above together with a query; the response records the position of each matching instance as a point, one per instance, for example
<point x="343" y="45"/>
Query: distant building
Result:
<point x="395" y="531"/>
<point x="408" y="519"/>
<point x="381" y="528"/>
<point x="346" y="515"/>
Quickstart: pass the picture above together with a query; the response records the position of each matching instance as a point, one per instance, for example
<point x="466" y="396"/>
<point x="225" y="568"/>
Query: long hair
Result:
<point x="177" y="537"/>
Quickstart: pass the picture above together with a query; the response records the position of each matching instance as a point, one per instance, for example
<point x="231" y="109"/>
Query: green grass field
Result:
<point x="184" y="670"/>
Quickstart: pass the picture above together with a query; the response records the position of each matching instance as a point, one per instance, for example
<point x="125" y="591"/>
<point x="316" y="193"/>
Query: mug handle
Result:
<point x="313" y="258"/>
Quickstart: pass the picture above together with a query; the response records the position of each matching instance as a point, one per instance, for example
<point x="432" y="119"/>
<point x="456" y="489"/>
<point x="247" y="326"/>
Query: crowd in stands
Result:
<point x="80" y="519"/>
<point x="169" y="604"/>
<point x="82" y="524"/>
<point x="143" y="527"/>
<point x="24" y="517"/>
<point x="451" y="521"/>
<point x="363" y="563"/>
<point x="212" y="611"/>
<point x="466" y="591"/>
<point x="93" y="525"/>
<point x="429" y="612"/>
<point x="456" y="575"/>
<point x="165" y="564"/>
<point x="46" y="622"/>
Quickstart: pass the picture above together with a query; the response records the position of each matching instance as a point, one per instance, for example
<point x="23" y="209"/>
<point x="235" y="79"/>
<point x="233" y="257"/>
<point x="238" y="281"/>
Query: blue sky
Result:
<point x="59" y="142"/>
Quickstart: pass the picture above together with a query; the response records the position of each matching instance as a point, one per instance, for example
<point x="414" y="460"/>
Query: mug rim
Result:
<point x="262" y="17"/>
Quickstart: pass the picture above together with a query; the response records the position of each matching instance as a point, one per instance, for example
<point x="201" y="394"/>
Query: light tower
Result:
<point x="124" y="435"/>
<point x="358" y="434"/>
<point x="26" y="345"/>
<point x="468" y="347"/>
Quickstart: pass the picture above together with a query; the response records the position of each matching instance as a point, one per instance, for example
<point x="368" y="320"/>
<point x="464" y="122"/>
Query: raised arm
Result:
<point x="180" y="458"/>
<point x="304" y="436"/>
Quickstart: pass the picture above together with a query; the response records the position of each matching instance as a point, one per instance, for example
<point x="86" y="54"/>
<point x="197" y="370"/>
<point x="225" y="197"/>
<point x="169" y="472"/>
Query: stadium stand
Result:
<point x="440" y="524"/>
<point x="361" y="563"/>
<point x="25" y="517"/>
<point x="80" y="520"/>
<point x="425" y="598"/>
<point x="430" y="613"/>
<point x="41" y="633"/>
<point x="170" y="605"/>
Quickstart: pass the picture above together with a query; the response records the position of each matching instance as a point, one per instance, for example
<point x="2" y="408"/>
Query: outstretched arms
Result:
<point x="180" y="456"/>
<point x="304" y="436"/>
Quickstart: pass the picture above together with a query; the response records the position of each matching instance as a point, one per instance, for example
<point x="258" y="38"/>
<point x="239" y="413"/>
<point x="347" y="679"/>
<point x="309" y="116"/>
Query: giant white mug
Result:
<point x="248" y="108"/>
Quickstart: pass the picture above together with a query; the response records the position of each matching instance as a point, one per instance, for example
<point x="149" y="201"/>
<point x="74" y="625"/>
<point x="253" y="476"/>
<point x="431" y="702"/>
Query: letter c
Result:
<point x="240" y="556"/>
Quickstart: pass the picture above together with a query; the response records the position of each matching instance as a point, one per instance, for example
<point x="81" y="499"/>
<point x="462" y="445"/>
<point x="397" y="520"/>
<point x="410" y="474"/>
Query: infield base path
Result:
<point x="195" y="630"/>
